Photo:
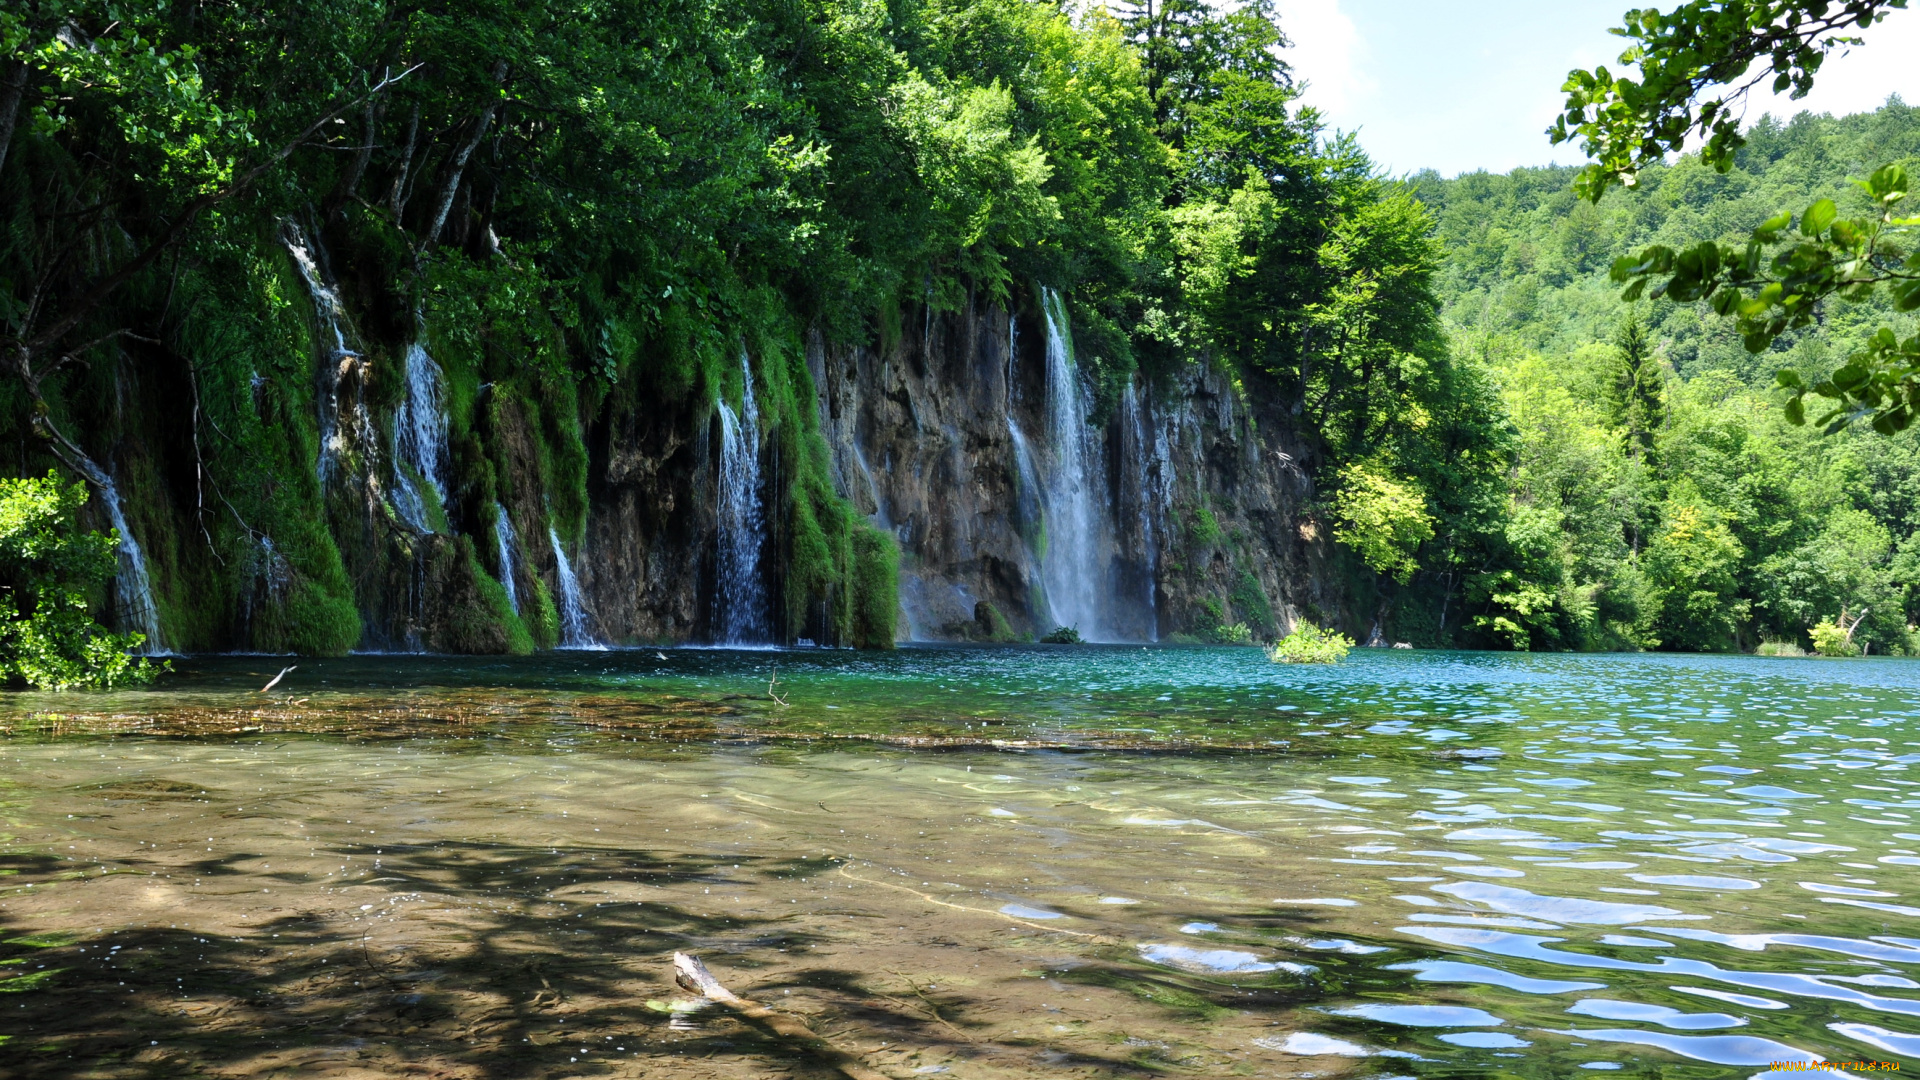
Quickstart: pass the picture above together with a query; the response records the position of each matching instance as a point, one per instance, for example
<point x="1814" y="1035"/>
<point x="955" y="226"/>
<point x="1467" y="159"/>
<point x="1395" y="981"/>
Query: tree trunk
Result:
<point x="397" y="197"/>
<point x="457" y="164"/>
<point x="350" y="181"/>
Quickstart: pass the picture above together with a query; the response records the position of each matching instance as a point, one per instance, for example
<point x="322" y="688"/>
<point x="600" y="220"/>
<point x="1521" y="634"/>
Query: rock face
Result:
<point x="957" y="440"/>
<point x="468" y="512"/>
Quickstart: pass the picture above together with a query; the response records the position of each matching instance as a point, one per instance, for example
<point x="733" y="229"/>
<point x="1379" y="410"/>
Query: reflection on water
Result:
<point x="1415" y="865"/>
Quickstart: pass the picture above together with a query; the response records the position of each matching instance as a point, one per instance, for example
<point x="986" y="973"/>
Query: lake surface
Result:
<point x="1094" y="861"/>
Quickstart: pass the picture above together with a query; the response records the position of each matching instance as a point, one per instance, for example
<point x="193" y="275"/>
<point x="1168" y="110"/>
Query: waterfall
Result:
<point x="1029" y="513"/>
<point x="132" y="590"/>
<point x="333" y="321"/>
<point x="1076" y="564"/>
<point x="1146" y="488"/>
<point x="503" y="540"/>
<point x="1013" y="353"/>
<point x="420" y="440"/>
<point x="740" y="598"/>
<point x="880" y="515"/>
<point x="574" y="633"/>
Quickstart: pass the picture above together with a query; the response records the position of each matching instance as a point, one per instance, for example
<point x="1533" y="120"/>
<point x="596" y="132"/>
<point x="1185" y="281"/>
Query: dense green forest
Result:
<point x="1659" y="499"/>
<point x="590" y="212"/>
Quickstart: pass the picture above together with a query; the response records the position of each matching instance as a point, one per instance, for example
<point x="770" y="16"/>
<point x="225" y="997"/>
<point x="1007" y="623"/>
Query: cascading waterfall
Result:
<point x="1013" y="354"/>
<point x="132" y="589"/>
<point x="1077" y="562"/>
<point x="1146" y="486"/>
<point x="880" y="515"/>
<point x="740" y="600"/>
<point x="509" y="560"/>
<point x="574" y="632"/>
<point x="333" y="321"/>
<point x="1028" y="495"/>
<point x="420" y="440"/>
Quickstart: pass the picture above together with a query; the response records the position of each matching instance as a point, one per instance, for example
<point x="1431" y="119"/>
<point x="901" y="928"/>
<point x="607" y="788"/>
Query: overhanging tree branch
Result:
<point x="25" y="348"/>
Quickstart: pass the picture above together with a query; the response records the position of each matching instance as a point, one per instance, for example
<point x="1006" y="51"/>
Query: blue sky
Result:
<point x="1456" y="86"/>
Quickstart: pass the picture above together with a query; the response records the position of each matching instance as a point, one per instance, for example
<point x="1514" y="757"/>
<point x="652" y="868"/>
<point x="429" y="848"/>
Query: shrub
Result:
<point x="1309" y="644"/>
<point x="48" y="637"/>
<point x="1829" y="639"/>
<point x="1236" y="634"/>
<point x="1062" y="635"/>
<point x="1779" y="648"/>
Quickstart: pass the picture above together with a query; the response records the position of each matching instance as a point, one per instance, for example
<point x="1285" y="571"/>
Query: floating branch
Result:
<point x="694" y="978"/>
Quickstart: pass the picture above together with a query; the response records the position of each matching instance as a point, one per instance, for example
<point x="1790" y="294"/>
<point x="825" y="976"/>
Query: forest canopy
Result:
<point x="1661" y="497"/>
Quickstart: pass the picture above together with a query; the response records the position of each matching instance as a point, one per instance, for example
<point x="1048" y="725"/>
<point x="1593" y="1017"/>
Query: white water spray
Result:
<point x="1076" y="566"/>
<point x="132" y="589"/>
<point x="333" y="321"/>
<point x="1146" y="487"/>
<point x="509" y="560"/>
<point x="420" y="440"/>
<point x="740" y="599"/>
<point x="574" y="633"/>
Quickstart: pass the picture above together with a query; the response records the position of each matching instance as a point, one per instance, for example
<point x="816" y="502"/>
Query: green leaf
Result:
<point x="1888" y="183"/>
<point x="1906" y="295"/>
<point x="1818" y="217"/>
<point x="1796" y="410"/>
<point x="1789" y="379"/>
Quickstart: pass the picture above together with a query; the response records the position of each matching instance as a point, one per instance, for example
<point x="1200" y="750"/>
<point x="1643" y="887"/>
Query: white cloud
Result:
<point x="1328" y="56"/>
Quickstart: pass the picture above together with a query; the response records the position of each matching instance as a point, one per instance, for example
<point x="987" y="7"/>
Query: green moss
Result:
<point x="1250" y="601"/>
<point x="876" y="591"/>
<point x="475" y="615"/>
<point x="1203" y="529"/>
<point x="311" y="622"/>
<point x="565" y="458"/>
<point x="540" y="618"/>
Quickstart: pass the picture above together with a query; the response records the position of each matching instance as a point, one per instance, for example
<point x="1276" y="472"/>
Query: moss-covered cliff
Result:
<point x="404" y="326"/>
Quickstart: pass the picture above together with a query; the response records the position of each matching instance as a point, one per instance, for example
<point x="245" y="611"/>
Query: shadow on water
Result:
<point x="467" y="967"/>
<point x="1442" y="866"/>
<point x="470" y="959"/>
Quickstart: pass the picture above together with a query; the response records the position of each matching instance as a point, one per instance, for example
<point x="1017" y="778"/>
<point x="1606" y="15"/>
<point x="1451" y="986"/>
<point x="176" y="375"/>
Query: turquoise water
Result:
<point x="1418" y="864"/>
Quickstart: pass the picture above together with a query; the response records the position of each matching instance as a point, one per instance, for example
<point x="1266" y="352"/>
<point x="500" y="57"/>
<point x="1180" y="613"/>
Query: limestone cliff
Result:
<point x="461" y="504"/>
<point x="950" y="438"/>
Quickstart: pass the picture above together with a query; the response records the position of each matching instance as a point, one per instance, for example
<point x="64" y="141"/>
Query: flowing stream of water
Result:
<point x="576" y="631"/>
<point x="420" y="441"/>
<point x="336" y="352"/>
<point x="1121" y="861"/>
<point x="132" y="588"/>
<point x="509" y="556"/>
<point x="740" y="601"/>
<point x="1149" y="508"/>
<point x="1078" y="556"/>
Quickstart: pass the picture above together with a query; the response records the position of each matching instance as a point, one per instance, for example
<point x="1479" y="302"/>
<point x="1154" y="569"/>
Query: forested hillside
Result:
<point x="1659" y="499"/>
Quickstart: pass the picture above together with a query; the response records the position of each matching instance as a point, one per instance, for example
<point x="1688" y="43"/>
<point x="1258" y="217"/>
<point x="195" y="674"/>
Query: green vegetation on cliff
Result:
<point x="228" y="228"/>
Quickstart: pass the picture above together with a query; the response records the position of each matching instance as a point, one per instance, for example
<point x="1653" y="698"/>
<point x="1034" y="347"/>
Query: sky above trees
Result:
<point x="1459" y="85"/>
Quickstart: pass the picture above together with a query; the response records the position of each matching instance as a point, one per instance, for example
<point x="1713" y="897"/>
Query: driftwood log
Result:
<point x="693" y="977"/>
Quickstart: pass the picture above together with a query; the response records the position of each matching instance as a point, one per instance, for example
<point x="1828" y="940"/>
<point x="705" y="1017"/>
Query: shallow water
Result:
<point x="1119" y="861"/>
